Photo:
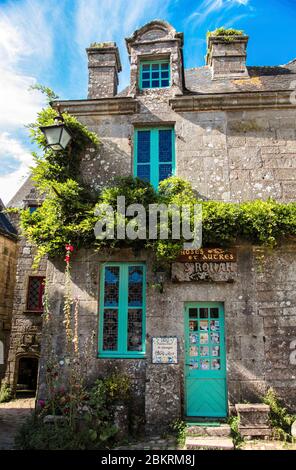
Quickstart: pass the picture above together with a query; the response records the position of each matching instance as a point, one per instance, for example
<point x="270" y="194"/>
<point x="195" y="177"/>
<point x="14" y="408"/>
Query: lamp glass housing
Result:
<point x="57" y="136"/>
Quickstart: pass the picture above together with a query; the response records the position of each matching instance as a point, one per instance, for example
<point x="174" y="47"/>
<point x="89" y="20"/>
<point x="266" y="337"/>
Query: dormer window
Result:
<point x="154" y="74"/>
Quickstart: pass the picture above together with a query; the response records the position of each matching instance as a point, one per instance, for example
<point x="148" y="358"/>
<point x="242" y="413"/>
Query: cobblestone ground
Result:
<point x="12" y="415"/>
<point x="154" y="443"/>
<point x="268" y="445"/>
<point x="162" y="444"/>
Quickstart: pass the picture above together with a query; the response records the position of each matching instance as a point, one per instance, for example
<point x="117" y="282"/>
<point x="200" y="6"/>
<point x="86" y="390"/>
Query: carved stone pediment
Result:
<point x="156" y="33"/>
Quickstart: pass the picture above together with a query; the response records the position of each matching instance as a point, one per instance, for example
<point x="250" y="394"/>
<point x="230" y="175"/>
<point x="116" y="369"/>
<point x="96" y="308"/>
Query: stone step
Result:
<point x="209" y="443"/>
<point x="215" y="431"/>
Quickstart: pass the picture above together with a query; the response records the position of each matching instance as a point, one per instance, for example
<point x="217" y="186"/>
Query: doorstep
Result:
<point x="209" y="443"/>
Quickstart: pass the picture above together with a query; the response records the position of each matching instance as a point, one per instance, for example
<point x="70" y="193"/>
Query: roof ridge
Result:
<point x="293" y="61"/>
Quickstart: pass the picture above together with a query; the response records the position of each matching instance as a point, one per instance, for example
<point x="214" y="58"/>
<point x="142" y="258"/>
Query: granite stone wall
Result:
<point x="260" y="326"/>
<point x="7" y="280"/>
<point x="26" y="327"/>
<point x="226" y="155"/>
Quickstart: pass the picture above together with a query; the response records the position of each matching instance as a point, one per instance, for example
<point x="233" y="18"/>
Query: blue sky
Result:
<point x="44" y="41"/>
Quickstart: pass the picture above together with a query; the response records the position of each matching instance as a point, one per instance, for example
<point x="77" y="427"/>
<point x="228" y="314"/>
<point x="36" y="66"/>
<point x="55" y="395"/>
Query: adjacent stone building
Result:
<point x="224" y="328"/>
<point x="27" y="306"/>
<point x="8" y="239"/>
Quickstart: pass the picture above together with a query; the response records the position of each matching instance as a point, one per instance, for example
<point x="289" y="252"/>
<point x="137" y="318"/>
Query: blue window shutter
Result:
<point x="154" y="154"/>
<point x="165" y="154"/>
<point x="165" y="146"/>
<point x="143" y="146"/>
<point x="143" y="154"/>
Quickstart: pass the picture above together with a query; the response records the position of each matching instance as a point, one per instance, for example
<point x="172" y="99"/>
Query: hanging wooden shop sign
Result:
<point x="205" y="265"/>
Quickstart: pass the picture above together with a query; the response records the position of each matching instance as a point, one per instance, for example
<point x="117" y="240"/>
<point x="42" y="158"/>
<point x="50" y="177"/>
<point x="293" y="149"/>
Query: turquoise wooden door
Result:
<point x="205" y="360"/>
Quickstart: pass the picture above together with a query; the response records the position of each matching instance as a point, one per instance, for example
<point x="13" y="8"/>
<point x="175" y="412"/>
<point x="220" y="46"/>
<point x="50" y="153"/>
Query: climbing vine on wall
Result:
<point x="67" y="213"/>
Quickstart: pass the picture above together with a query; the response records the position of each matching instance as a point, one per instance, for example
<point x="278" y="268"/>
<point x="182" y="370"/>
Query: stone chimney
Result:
<point x="227" y="57"/>
<point x="103" y="66"/>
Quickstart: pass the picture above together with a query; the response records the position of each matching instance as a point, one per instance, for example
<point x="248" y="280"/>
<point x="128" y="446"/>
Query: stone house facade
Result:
<point x="26" y="310"/>
<point x="8" y="240"/>
<point x="224" y="328"/>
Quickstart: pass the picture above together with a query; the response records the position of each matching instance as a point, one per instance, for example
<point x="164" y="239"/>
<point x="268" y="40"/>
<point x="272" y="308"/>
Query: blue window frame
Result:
<point x="122" y="310"/>
<point x="154" y="154"/>
<point x="155" y="74"/>
<point x="33" y="209"/>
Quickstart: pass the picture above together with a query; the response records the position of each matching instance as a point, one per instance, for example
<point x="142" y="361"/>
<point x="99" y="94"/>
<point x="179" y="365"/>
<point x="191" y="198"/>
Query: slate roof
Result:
<point x="270" y="78"/>
<point x="6" y="226"/>
<point x="22" y="193"/>
<point x="275" y="78"/>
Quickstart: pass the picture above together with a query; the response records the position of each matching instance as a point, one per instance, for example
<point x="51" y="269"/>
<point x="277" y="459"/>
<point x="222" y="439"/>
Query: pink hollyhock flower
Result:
<point x="69" y="247"/>
<point x="67" y="259"/>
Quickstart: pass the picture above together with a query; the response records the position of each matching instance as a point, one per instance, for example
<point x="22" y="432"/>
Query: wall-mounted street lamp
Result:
<point x="58" y="136"/>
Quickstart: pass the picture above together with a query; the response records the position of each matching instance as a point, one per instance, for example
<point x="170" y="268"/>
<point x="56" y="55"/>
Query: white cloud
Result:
<point x="114" y="20"/>
<point x="23" y="28"/>
<point x="18" y="105"/>
<point x="34" y="35"/>
<point x="208" y="7"/>
<point x="10" y="147"/>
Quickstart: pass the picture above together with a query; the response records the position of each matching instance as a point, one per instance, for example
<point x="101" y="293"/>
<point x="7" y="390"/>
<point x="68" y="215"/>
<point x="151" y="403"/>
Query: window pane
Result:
<point x="35" y="293"/>
<point x="111" y="288"/>
<point x="143" y="155"/>
<point x="165" y="145"/>
<point x="215" y="351"/>
<point x="135" y="286"/>
<point x="193" y="313"/>
<point x="216" y="365"/>
<point x="203" y="313"/>
<point x="214" y="312"/>
<point x="193" y="325"/>
<point x="110" y="330"/>
<point x="155" y="75"/>
<point x="165" y="171"/>
<point x="134" y="337"/>
<point x="143" y="172"/>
